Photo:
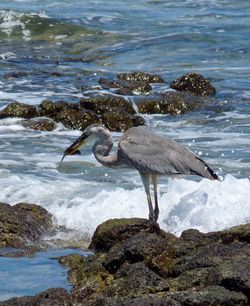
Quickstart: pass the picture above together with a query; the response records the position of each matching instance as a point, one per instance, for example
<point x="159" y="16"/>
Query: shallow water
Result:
<point x="169" y="38"/>
<point x="31" y="275"/>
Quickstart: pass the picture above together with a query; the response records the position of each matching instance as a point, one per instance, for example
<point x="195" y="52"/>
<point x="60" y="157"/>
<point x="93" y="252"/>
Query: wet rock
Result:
<point x="140" y="77"/>
<point x="114" y="231"/>
<point x="52" y="109"/>
<point x="39" y="124"/>
<point x="106" y="103"/>
<point x="50" y="297"/>
<point x="126" y="87"/>
<point x="172" y="103"/>
<point x="20" y="110"/>
<point x="121" y="120"/>
<point x="77" y="119"/>
<point x="212" y="296"/>
<point x="23" y="224"/>
<point x="194" y="83"/>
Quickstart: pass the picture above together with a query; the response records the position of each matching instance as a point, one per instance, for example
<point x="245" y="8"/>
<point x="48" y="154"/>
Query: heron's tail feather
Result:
<point x="206" y="171"/>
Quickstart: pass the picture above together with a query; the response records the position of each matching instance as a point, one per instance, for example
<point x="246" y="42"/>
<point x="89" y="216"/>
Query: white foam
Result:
<point x="82" y="205"/>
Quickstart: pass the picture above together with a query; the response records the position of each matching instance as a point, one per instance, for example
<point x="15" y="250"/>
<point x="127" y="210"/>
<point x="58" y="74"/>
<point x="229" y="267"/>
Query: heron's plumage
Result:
<point x="159" y="155"/>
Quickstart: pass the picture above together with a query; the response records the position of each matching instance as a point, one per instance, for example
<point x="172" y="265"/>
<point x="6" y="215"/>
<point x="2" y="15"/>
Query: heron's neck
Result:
<point x="102" y="148"/>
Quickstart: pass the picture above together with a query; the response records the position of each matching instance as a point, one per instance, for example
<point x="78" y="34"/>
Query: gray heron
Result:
<point x="151" y="154"/>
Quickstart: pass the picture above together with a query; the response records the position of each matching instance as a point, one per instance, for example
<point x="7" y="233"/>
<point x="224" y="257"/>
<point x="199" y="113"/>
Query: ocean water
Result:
<point x="168" y="38"/>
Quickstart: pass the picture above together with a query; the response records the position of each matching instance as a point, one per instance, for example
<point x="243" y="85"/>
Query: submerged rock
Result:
<point x="140" y="77"/>
<point x="194" y="83"/>
<point x="39" y="124"/>
<point x="20" y="110"/>
<point x="23" y="224"/>
<point x="126" y="87"/>
<point x="172" y="103"/>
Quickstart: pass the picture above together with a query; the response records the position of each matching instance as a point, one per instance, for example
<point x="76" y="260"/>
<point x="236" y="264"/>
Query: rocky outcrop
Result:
<point x="194" y="83"/>
<point x="138" y="264"/>
<point x="173" y="103"/>
<point x="23" y="224"/>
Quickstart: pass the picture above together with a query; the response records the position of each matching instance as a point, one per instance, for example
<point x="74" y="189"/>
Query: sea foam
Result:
<point x="204" y="205"/>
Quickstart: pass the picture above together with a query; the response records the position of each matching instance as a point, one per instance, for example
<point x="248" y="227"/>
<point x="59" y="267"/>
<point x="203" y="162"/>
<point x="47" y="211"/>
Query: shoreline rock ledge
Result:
<point x="136" y="263"/>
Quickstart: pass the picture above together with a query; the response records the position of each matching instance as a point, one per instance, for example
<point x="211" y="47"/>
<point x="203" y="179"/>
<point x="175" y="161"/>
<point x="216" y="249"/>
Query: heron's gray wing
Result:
<point x="155" y="154"/>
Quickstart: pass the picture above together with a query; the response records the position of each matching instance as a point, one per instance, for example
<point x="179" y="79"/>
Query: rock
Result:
<point x="39" y="124"/>
<point x="126" y="87"/>
<point x="114" y="231"/>
<point x="52" y="109"/>
<point x="121" y="120"/>
<point x="50" y="297"/>
<point x="106" y="103"/>
<point x="150" y="300"/>
<point x="172" y="103"/>
<point x="140" y="247"/>
<point x="20" y="110"/>
<point x="75" y="119"/>
<point x="140" y="77"/>
<point x="23" y="224"/>
<point x="212" y="296"/>
<point x="194" y="83"/>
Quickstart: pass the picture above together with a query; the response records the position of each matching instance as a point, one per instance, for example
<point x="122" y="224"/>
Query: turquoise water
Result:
<point x="169" y="38"/>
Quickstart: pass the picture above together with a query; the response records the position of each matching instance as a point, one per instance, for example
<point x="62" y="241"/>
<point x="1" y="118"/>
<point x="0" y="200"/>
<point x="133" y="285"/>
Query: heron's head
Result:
<point x="92" y="130"/>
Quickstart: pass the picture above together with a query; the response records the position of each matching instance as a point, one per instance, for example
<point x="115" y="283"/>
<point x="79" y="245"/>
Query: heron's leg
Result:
<point x="146" y="182"/>
<point x="156" y="210"/>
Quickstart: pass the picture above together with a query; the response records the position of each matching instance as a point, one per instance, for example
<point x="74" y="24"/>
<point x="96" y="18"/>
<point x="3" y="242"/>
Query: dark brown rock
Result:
<point x="121" y="120"/>
<point x="140" y="77"/>
<point x="39" y="124"/>
<point x="113" y="231"/>
<point x="194" y="83"/>
<point x="126" y="87"/>
<point x="52" y="109"/>
<point x="77" y="119"/>
<point x="50" y="297"/>
<point x="23" y="224"/>
<point x="20" y="110"/>
<point x="106" y="103"/>
<point x="172" y="103"/>
<point x="142" y="246"/>
<point x="212" y="296"/>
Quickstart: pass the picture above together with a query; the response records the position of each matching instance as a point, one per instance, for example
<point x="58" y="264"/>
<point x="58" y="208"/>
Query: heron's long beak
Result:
<point x="74" y="147"/>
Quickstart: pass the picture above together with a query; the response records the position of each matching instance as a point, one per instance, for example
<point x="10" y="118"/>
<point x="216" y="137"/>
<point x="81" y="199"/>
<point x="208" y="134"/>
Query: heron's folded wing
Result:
<point x="156" y="154"/>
